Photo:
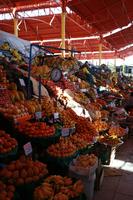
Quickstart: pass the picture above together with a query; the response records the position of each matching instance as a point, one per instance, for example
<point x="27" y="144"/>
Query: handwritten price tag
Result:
<point x="56" y="115"/>
<point x="38" y="115"/>
<point x="22" y="82"/>
<point x="27" y="148"/>
<point x="65" y="132"/>
<point x="83" y="90"/>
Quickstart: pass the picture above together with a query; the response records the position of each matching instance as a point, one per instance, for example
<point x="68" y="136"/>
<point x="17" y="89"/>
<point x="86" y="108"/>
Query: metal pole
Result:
<point x="15" y="27"/>
<point x="100" y="53"/>
<point x="39" y="87"/>
<point x="63" y="26"/>
<point x="29" y="72"/>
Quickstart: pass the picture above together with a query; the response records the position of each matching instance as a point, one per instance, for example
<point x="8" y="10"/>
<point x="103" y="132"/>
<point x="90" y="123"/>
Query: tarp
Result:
<point x="23" y="46"/>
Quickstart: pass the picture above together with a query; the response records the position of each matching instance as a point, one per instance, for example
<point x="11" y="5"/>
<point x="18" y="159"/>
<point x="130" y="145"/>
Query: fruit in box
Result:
<point x="23" y="171"/>
<point x="6" y="191"/>
<point x="64" y="148"/>
<point x="7" y="144"/>
<point x="56" y="187"/>
<point x="85" y="161"/>
<point x="36" y="129"/>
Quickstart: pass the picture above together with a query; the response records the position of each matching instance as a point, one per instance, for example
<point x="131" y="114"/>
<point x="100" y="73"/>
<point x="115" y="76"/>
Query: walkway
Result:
<point x="119" y="187"/>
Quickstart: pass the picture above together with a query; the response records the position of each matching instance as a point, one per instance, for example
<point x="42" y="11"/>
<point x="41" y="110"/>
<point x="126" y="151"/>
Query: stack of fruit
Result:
<point x="64" y="148"/>
<point x="48" y="106"/>
<point x="100" y="125"/>
<point x="116" y="131"/>
<point x="3" y="79"/>
<point x="86" y="129"/>
<point x="67" y="120"/>
<point x="32" y="106"/>
<point x="6" y="191"/>
<point x="23" y="171"/>
<point x="58" y="188"/>
<point x="85" y="161"/>
<point x="79" y="142"/>
<point x="4" y="97"/>
<point x="7" y="144"/>
<point x="36" y="129"/>
<point x="16" y="111"/>
<point x="110" y="140"/>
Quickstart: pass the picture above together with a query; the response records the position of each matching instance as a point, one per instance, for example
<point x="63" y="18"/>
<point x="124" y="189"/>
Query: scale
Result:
<point x="56" y="74"/>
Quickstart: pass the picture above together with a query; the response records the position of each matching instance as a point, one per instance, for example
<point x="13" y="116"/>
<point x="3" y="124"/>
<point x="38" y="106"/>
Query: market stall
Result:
<point x="68" y="125"/>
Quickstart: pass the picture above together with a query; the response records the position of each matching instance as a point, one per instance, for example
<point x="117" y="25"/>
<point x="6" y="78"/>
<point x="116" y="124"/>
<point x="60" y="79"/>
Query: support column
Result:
<point x="15" y="27"/>
<point x="115" y="57"/>
<point x="63" y="26"/>
<point x="100" y="53"/>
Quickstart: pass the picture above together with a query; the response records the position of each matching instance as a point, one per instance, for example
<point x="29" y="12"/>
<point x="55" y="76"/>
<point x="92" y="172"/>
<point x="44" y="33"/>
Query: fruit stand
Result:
<point x="43" y="135"/>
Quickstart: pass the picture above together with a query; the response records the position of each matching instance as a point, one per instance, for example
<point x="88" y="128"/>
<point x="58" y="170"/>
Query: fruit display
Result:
<point x="101" y="101"/>
<point x="3" y="79"/>
<point x="58" y="188"/>
<point x="104" y="114"/>
<point x="110" y="140"/>
<point x="67" y="120"/>
<point x="48" y="106"/>
<point x="14" y="111"/>
<point x="23" y="171"/>
<point x="79" y="142"/>
<point x="43" y="71"/>
<point x="84" y="126"/>
<point x="100" y="125"/>
<point x="50" y="86"/>
<point x="36" y="129"/>
<point x="64" y="148"/>
<point x="116" y="131"/>
<point x="84" y="85"/>
<point x="4" y="97"/>
<point x="16" y="96"/>
<point x="32" y="105"/>
<point x="6" y="191"/>
<point x="85" y="161"/>
<point x="80" y="98"/>
<point x="7" y="144"/>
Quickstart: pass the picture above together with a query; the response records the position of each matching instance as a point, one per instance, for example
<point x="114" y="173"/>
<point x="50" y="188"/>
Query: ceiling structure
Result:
<point x="88" y="23"/>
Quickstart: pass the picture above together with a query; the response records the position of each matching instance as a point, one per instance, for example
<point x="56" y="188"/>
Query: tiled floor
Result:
<point x="119" y="187"/>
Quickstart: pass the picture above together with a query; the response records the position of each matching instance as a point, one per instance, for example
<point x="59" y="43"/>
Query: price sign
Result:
<point x="83" y="90"/>
<point x="56" y="115"/>
<point x="38" y="115"/>
<point x="22" y="82"/>
<point x="27" y="148"/>
<point x="65" y="132"/>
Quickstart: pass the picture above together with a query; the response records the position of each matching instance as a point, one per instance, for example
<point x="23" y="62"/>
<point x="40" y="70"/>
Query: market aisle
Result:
<point x="119" y="187"/>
